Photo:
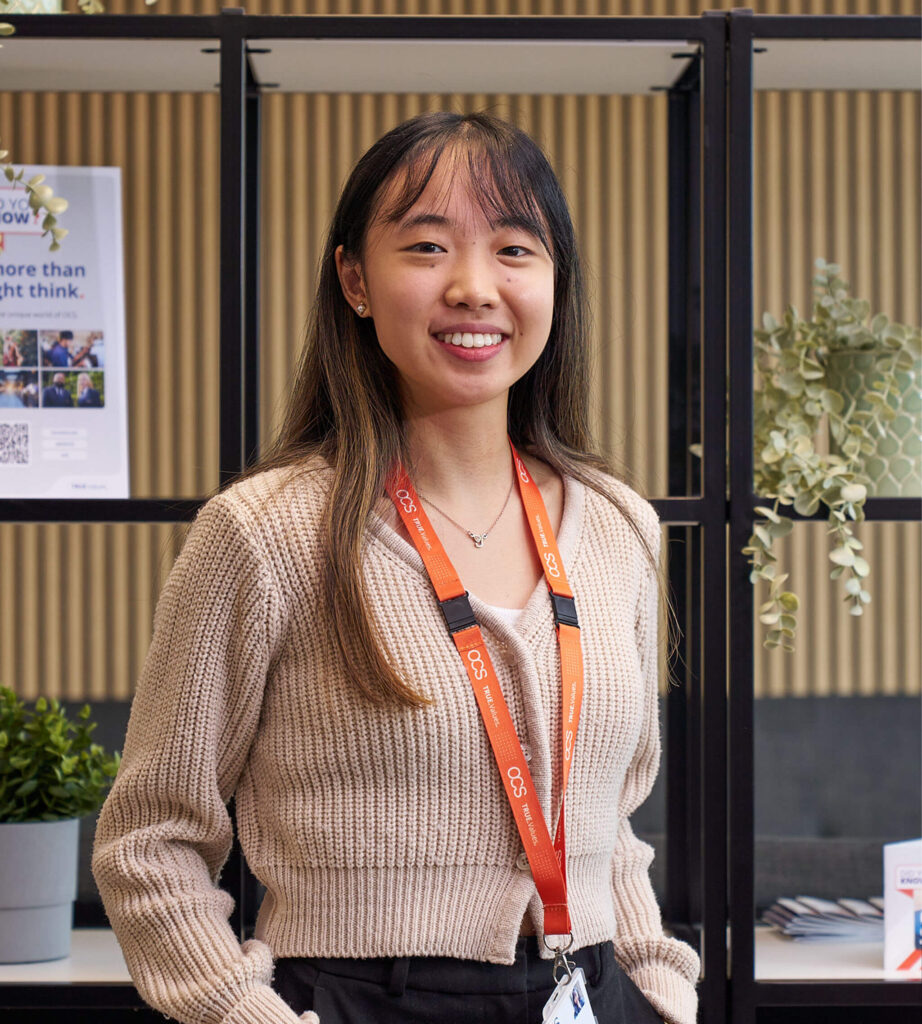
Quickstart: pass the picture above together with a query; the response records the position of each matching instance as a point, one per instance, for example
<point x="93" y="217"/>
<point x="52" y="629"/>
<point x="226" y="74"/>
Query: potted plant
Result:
<point x="805" y="380"/>
<point x="51" y="775"/>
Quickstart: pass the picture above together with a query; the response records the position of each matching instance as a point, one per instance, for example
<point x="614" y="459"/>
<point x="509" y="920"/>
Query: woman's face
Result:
<point x="462" y="306"/>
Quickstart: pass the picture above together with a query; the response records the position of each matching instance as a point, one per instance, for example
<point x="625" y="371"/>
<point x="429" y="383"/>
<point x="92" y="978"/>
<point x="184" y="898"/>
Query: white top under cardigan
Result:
<point x="509" y="615"/>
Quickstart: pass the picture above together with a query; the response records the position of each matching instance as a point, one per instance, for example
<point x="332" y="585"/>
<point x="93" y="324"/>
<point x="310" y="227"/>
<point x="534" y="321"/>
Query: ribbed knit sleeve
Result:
<point x="164" y="831"/>
<point x="665" y="970"/>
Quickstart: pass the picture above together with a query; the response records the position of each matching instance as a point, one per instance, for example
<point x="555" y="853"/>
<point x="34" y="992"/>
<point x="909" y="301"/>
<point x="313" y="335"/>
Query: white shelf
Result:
<point x="593" y="67"/>
<point x="779" y="958"/>
<point x="830" y="64"/>
<point x="109" y="65"/>
<point x="574" y="67"/>
<point x="95" y="957"/>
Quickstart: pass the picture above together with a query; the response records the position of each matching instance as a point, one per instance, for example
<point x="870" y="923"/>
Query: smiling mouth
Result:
<point x="470" y="340"/>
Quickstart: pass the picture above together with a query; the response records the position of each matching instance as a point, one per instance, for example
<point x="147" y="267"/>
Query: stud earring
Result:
<point x="360" y="309"/>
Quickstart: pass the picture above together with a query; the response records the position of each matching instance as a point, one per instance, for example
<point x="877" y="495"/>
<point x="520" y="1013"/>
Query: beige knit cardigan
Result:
<point x="377" y="831"/>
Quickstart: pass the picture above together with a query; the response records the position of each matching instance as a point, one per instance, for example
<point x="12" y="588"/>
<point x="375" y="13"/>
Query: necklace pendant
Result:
<point x="477" y="538"/>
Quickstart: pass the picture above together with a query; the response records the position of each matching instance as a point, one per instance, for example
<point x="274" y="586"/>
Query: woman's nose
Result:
<point x="472" y="284"/>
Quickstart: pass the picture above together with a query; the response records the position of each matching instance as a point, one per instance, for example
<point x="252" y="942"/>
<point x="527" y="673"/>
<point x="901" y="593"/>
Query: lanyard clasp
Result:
<point x="458" y="613"/>
<point x="562" y="966"/>
<point x="564" y="610"/>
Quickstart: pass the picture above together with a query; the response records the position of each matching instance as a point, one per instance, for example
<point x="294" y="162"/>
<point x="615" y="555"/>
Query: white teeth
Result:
<point x="467" y="339"/>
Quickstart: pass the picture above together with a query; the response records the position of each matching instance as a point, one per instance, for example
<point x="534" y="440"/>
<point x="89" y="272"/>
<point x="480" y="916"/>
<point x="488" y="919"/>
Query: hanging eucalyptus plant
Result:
<point x="792" y="398"/>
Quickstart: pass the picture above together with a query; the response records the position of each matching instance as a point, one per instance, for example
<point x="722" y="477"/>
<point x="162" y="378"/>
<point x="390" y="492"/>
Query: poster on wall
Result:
<point x="63" y="408"/>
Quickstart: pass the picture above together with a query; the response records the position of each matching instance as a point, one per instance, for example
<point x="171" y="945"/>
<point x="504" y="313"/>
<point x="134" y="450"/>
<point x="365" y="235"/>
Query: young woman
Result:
<point x="397" y="641"/>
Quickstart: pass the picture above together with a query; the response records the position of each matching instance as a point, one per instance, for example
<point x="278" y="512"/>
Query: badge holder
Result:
<point x="569" y="1002"/>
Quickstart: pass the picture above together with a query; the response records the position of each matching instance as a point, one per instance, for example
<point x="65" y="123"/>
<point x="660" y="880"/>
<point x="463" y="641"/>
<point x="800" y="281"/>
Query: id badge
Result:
<point x="569" y="1003"/>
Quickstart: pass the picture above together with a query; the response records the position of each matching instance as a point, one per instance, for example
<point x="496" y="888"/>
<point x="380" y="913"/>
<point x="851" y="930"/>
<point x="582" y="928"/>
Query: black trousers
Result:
<point x="443" y="990"/>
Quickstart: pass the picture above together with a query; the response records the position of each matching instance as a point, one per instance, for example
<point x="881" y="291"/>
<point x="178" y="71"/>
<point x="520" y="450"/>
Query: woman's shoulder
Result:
<point x="306" y="480"/>
<point x="275" y="503"/>
<point x="607" y="509"/>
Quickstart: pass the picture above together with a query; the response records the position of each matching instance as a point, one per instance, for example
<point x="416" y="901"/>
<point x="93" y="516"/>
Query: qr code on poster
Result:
<point x="14" y="444"/>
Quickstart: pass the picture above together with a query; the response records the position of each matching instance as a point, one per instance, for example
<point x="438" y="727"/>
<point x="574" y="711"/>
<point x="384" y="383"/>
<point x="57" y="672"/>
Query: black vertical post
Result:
<point x="232" y="879"/>
<point x="713" y="595"/>
<point x="247" y="887"/>
<point x="676" y="903"/>
<point x="233" y="291"/>
<point x="233" y="282"/>
<point x="683" y="781"/>
<point x="693" y="469"/>
<point x="741" y="780"/>
<point x="251" y="244"/>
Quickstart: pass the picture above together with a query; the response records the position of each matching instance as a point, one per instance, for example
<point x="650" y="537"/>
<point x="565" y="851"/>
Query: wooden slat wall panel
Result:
<point x="78" y="601"/>
<point x="837" y="654"/>
<point x="837" y="176"/>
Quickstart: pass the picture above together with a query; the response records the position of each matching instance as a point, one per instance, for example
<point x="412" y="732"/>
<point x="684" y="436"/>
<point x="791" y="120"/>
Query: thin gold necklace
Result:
<point x="477" y="538"/>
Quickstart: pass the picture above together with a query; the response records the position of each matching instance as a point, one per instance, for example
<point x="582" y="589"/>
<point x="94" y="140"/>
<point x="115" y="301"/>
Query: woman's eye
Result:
<point x="514" y="250"/>
<point x="426" y="248"/>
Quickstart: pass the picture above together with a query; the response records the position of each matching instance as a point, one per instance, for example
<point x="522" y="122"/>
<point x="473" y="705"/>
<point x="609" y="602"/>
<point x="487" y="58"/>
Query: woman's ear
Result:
<point x="351" y="281"/>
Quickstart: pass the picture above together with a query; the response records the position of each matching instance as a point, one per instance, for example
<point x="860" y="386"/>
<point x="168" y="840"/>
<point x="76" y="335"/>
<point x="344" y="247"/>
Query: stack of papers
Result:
<point x="808" y="918"/>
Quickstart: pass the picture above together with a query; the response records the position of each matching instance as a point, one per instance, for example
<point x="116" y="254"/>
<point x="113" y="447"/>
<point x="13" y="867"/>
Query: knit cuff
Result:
<point x="263" y="1005"/>
<point x="671" y="995"/>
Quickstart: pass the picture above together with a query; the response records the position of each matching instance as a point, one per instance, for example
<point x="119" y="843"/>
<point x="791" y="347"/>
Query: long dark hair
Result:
<point x="344" y="409"/>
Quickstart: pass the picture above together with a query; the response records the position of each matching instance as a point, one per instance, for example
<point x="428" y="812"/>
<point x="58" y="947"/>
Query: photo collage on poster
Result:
<point x="60" y="369"/>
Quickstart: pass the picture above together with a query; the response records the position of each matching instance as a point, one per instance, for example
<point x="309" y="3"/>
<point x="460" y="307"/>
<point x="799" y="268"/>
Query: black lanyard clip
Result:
<point x="564" y="610"/>
<point x="458" y="613"/>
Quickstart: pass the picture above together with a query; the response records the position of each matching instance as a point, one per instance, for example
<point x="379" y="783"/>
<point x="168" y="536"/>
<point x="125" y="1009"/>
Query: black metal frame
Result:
<point x="239" y="285"/>
<point x="747" y="995"/>
<point x="696" y="508"/>
<point x="683" y="713"/>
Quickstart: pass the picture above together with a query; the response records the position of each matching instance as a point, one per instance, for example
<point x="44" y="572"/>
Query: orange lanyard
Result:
<point x="547" y="859"/>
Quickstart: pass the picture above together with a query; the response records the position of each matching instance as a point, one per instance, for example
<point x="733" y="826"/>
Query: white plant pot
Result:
<point x="894" y="470"/>
<point x="38" y="885"/>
